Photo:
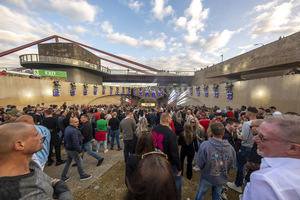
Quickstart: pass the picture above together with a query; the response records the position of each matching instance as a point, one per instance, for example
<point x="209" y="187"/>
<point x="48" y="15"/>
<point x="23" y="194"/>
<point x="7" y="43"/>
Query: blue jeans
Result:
<point x="113" y="134"/>
<point x="70" y="156"/>
<point x="242" y="158"/>
<point x="61" y="137"/>
<point x="204" y="186"/>
<point x="89" y="149"/>
<point x="108" y="134"/>
<point x="178" y="180"/>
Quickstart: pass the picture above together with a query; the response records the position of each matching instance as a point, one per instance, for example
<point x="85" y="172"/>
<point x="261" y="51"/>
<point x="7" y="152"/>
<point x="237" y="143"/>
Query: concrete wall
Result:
<point x="282" y="92"/>
<point x="67" y="50"/>
<point x="24" y="91"/>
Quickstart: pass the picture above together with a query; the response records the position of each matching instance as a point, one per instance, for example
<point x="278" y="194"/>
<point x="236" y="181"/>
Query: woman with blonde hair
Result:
<point x="199" y="132"/>
<point x="141" y="127"/>
<point x="197" y="129"/>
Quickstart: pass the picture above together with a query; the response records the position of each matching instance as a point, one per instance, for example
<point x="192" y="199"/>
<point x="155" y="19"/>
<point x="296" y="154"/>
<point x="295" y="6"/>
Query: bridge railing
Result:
<point x="162" y="73"/>
<point x="36" y="58"/>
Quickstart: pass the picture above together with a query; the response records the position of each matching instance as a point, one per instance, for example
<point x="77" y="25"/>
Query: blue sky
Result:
<point x="164" y="34"/>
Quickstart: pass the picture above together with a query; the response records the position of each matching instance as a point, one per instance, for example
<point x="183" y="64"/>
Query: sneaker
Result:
<point x="111" y="148"/>
<point x="74" y="165"/>
<point x="234" y="187"/>
<point x="241" y="197"/>
<point x="66" y="179"/>
<point x="85" y="177"/>
<point x="97" y="151"/>
<point x="196" y="168"/>
<point x="106" y="150"/>
<point x="119" y="149"/>
<point x="100" y="162"/>
<point x="60" y="162"/>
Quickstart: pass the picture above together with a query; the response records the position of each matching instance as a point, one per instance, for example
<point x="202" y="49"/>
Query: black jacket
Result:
<point x="165" y="141"/>
<point x="235" y="142"/>
<point x="87" y="132"/>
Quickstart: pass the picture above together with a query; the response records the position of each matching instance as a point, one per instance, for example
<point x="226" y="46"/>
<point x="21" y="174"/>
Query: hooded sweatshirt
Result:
<point x="215" y="159"/>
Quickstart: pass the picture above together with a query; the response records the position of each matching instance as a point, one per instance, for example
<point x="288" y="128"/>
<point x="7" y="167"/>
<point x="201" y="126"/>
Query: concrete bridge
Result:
<point x="273" y="59"/>
<point x="79" y="71"/>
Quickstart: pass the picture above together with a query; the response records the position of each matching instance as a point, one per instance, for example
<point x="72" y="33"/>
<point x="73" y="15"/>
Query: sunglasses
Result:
<point x="154" y="153"/>
<point x="43" y="139"/>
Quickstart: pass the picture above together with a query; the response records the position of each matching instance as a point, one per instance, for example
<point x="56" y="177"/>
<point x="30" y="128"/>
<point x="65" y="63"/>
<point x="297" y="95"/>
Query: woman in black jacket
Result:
<point x="189" y="145"/>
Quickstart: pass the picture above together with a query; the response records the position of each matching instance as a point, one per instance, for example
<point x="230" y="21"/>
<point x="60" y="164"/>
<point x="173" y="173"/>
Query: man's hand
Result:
<point x="179" y="173"/>
<point x="79" y="155"/>
<point x="239" y="135"/>
<point x="54" y="181"/>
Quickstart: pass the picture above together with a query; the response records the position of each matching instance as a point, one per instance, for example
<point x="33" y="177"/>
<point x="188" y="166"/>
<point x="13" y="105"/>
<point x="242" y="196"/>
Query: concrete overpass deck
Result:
<point x="36" y="61"/>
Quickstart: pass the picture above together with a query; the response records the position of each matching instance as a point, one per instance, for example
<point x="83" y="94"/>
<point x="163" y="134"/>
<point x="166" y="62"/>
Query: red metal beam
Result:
<point x="26" y="46"/>
<point x="124" y="65"/>
<point x="56" y="37"/>
<point x="112" y="55"/>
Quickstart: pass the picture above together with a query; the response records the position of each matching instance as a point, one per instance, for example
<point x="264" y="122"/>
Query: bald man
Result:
<point x="41" y="156"/>
<point x="19" y="177"/>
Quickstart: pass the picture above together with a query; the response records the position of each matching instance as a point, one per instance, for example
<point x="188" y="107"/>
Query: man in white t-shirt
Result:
<point x="278" y="142"/>
<point x="274" y="111"/>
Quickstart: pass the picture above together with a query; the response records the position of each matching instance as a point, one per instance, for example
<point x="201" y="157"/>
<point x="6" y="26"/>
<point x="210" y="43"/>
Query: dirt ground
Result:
<point x="111" y="185"/>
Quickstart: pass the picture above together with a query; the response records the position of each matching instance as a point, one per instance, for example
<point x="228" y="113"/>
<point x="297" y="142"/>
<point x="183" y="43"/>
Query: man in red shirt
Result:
<point x="204" y="121"/>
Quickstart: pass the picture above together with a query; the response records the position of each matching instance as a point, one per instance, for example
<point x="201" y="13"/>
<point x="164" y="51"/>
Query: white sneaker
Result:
<point x="105" y="151"/>
<point x="196" y="168"/>
<point x="97" y="151"/>
<point x="234" y="187"/>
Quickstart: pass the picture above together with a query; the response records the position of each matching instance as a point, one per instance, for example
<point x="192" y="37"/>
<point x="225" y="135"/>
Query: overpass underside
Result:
<point x="273" y="59"/>
<point x="79" y="74"/>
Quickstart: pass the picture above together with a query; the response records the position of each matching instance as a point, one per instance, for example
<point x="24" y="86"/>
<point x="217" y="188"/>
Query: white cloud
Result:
<point x="107" y="27"/>
<point x="18" y="3"/>
<point x="135" y="5"/>
<point x="80" y="30"/>
<point x="116" y="37"/>
<point x="265" y="6"/>
<point x="193" y="22"/>
<point x="75" y="10"/>
<point x="178" y="62"/>
<point x="216" y="41"/>
<point x="122" y="38"/>
<point x="157" y="43"/>
<point x="159" y="10"/>
<point x="181" y="22"/>
<point x="276" y="18"/>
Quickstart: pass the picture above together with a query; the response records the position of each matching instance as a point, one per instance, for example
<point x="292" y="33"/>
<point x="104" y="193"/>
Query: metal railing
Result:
<point x="36" y="58"/>
<point x="159" y="73"/>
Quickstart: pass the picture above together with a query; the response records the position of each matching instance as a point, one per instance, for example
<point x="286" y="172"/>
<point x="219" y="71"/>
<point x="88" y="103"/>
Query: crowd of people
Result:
<point x="262" y="144"/>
